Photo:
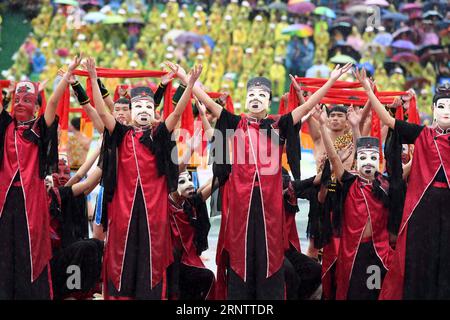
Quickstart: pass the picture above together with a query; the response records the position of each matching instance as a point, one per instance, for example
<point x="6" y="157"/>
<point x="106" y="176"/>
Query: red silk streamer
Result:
<point x="376" y="127"/>
<point x="43" y="104"/>
<point x="228" y="103"/>
<point x="117" y="73"/>
<point x="63" y="109"/>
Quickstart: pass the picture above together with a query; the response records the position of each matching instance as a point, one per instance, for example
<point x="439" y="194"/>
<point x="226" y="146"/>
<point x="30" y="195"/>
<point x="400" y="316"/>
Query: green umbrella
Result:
<point x="67" y="2"/>
<point x="342" y="59"/>
<point x="325" y="11"/>
<point x="114" y="19"/>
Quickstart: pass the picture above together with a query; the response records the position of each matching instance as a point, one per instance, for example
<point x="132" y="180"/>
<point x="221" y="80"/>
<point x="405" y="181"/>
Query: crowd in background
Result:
<point x="404" y="45"/>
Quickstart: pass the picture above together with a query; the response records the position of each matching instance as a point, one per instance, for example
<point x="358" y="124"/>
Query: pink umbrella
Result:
<point x="380" y="3"/>
<point x="410" y="7"/>
<point x="405" y="57"/>
<point x="300" y="7"/>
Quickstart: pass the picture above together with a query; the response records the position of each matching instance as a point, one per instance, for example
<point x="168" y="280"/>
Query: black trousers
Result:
<point x="136" y="269"/>
<point x="308" y="272"/>
<point x="187" y="282"/>
<point x="87" y="255"/>
<point x="358" y="289"/>
<point x="256" y="286"/>
<point x="15" y="263"/>
<point x="427" y="260"/>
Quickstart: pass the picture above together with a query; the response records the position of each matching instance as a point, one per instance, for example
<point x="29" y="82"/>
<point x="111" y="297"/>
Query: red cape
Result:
<point x="431" y="151"/>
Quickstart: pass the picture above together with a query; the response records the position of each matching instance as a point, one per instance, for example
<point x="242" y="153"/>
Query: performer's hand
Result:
<point x="297" y="86"/>
<point x="178" y="71"/>
<point x="10" y="89"/>
<point x="42" y="85"/>
<point x="194" y="74"/>
<point x="75" y="63"/>
<point x="70" y="79"/>
<point x="338" y="71"/>
<point x="200" y="107"/>
<point x="321" y="116"/>
<point x="406" y="99"/>
<point x="354" y="116"/>
<point x="165" y="79"/>
<point x="361" y="76"/>
<point x="89" y="65"/>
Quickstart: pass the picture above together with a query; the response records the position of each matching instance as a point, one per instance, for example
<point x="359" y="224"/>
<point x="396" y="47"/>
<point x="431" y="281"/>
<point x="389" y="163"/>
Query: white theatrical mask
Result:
<point x="142" y="111"/>
<point x="441" y="113"/>
<point x="367" y="162"/>
<point x="185" y="185"/>
<point x="257" y="100"/>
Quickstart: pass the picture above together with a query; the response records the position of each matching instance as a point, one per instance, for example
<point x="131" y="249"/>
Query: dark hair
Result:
<point x="75" y="122"/>
<point x="123" y="101"/>
<point x="442" y="92"/>
<point x="39" y="100"/>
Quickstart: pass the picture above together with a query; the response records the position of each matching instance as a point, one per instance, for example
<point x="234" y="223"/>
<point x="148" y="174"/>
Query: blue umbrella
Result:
<point x="94" y="17"/>
<point x="403" y="44"/>
<point x="368" y="66"/>
<point x="383" y="39"/>
<point x="189" y="37"/>
<point x="395" y="16"/>
<point x="209" y="41"/>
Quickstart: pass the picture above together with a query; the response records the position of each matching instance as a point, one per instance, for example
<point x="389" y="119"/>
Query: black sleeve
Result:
<point x="5" y="120"/>
<point x="74" y="218"/>
<point x="159" y="141"/>
<point x="228" y="120"/>
<point x="408" y="131"/>
<point x="201" y="223"/>
<point x="46" y="138"/>
<point x="219" y="150"/>
<point x="159" y="94"/>
<point x="291" y="133"/>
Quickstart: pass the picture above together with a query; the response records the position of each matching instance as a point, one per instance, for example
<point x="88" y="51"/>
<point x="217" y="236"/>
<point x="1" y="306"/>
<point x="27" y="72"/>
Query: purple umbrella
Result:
<point x="401" y="31"/>
<point x="189" y="37"/>
<point x="301" y="7"/>
<point x="405" y="57"/>
<point x="410" y="7"/>
<point x="383" y="39"/>
<point x="403" y="44"/>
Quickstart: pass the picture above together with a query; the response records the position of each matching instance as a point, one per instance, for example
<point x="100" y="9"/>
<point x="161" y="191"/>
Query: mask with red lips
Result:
<point x="63" y="175"/>
<point x="25" y="98"/>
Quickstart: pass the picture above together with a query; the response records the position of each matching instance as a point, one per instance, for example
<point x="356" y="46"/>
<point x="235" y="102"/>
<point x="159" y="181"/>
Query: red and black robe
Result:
<point x="257" y="152"/>
<point x="28" y="152"/>
<point x="363" y="203"/>
<point x="420" y="264"/>
<point x="138" y="173"/>
<point x="190" y="225"/>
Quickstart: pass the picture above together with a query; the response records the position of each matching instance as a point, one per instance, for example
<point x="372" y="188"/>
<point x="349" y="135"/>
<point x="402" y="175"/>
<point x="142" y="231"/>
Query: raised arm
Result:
<point x="82" y="171"/>
<point x="209" y="131"/>
<point x="335" y="160"/>
<point x="87" y="185"/>
<point x="383" y="114"/>
<point x="206" y="190"/>
<point x="109" y="102"/>
<point x="210" y="104"/>
<point x="298" y="89"/>
<point x="175" y="116"/>
<point x="191" y="145"/>
<point x="52" y="104"/>
<point x="106" y="117"/>
<point x="303" y="109"/>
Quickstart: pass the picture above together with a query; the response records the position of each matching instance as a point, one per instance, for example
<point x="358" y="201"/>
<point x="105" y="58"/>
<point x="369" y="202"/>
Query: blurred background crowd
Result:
<point x="402" y="44"/>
